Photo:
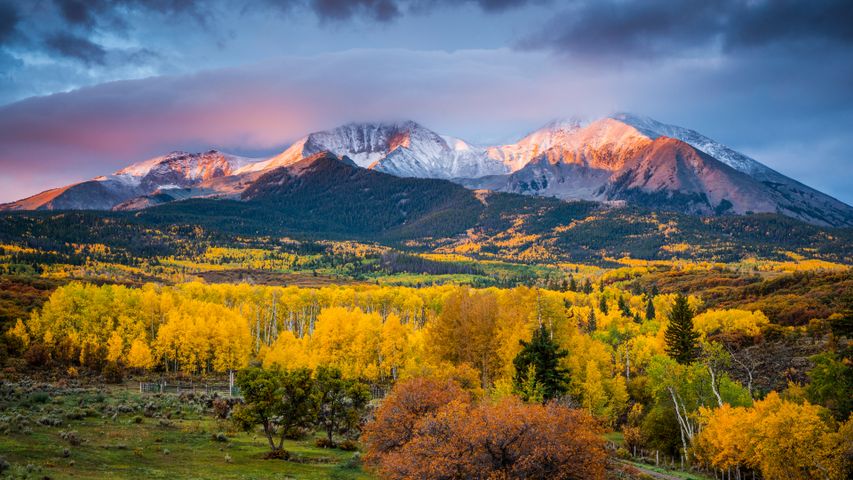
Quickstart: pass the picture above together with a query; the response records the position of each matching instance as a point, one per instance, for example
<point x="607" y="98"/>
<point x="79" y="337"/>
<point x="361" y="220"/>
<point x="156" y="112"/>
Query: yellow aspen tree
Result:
<point x="115" y="347"/>
<point x="139" y="355"/>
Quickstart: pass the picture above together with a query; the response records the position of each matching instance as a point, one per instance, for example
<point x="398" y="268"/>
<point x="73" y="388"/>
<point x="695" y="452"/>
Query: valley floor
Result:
<point x="113" y="437"/>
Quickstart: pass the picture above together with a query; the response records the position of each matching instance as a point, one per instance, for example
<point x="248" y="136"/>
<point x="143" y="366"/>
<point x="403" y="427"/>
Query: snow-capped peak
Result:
<point x="654" y="129"/>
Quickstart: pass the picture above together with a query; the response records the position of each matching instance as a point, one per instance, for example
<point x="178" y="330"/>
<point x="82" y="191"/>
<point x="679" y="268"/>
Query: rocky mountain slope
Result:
<point x="619" y="159"/>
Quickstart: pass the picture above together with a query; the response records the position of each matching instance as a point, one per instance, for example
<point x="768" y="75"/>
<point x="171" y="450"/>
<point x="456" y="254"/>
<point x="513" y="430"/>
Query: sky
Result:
<point x="90" y="86"/>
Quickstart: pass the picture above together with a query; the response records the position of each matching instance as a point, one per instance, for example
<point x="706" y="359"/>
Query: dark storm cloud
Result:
<point x="9" y="18"/>
<point x="79" y="48"/>
<point x="655" y="28"/>
<point x="790" y="21"/>
<point x="379" y="10"/>
<point x="384" y="11"/>
<point x="78" y="12"/>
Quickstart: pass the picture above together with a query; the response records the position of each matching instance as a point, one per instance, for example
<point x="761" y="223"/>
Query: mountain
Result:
<point x="334" y="196"/>
<point x="170" y="177"/>
<point x="621" y="159"/>
<point x="404" y="149"/>
<point x="633" y="159"/>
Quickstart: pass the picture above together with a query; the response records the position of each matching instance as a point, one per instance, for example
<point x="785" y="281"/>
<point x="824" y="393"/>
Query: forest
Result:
<point x="616" y="340"/>
<point x="364" y="359"/>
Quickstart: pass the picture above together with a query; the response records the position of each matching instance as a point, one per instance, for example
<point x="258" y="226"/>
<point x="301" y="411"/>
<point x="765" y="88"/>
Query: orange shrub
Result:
<point x="504" y="440"/>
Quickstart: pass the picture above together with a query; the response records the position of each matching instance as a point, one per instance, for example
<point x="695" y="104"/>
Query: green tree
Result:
<point x="682" y="341"/>
<point x="623" y="307"/>
<point x="602" y="304"/>
<point x="650" y="309"/>
<point x="591" y="326"/>
<point x="542" y="354"/>
<point x="831" y="383"/>
<point x="278" y="400"/>
<point x="340" y="403"/>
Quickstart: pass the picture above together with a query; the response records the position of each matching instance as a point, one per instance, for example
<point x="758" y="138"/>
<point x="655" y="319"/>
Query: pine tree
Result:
<point x="623" y="307"/>
<point x="650" y="309"/>
<point x="573" y="285"/>
<point x="681" y="339"/>
<point x="602" y="305"/>
<point x="587" y="287"/>
<point x="590" y="321"/>
<point x="540" y="358"/>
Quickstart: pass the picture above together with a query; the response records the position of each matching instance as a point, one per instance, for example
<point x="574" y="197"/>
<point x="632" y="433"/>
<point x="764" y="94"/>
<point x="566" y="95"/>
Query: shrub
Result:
<point x="221" y="408"/>
<point x="348" y="445"/>
<point x="4" y="465"/>
<point x="71" y="437"/>
<point x="324" y="442"/>
<point x="39" y="397"/>
<point x="50" y="421"/>
<point x="113" y="373"/>
<point x="137" y="420"/>
<point x="75" y="414"/>
<point x="507" y="440"/>
<point x="278" y="454"/>
<point x="394" y="424"/>
<point x="37" y="356"/>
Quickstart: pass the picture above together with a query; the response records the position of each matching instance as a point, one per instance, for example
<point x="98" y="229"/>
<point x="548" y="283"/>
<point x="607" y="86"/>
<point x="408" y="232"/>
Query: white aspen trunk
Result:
<point x="714" y="386"/>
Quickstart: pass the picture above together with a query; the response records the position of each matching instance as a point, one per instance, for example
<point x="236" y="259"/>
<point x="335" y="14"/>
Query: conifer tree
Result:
<point x="602" y="305"/>
<point x="540" y="358"/>
<point x="650" y="309"/>
<point x="681" y="339"/>
<point x="590" y="321"/>
<point x="623" y="306"/>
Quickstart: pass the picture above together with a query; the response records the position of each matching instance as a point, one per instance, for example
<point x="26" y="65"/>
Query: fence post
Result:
<point x="657" y="458"/>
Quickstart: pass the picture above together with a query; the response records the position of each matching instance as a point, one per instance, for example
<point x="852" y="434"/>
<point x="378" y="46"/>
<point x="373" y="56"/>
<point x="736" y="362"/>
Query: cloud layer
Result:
<point x="486" y="96"/>
<point x="143" y="77"/>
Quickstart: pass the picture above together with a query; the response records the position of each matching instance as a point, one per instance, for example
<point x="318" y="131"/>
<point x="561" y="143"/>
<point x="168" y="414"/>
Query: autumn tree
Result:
<point x="778" y="438"/>
<point x="139" y="355"/>
<point x="506" y="440"/>
<point x="394" y="423"/>
<point x="537" y="367"/>
<point x="466" y="332"/>
<point x="278" y="400"/>
<point x="340" y="402"/>
<point x="681" y="339"/>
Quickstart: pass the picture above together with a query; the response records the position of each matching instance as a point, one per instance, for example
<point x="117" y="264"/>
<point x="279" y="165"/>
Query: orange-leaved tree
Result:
<point x="507" y="439"/>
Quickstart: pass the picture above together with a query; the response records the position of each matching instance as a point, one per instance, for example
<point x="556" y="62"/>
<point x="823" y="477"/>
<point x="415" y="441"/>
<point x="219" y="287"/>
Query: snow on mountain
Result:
<point x="404" y="149"/>
<point x="620" y="157"/>
<point x="183" y="168"/>
<point x="654" y="129"/>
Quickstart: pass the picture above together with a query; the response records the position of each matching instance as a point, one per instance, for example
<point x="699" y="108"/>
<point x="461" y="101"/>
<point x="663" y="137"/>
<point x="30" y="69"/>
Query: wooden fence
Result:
<point x="177" y="388"/>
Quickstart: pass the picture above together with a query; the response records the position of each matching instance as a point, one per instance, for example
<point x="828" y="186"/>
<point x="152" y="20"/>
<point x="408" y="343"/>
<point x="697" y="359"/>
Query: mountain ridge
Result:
<point x="622" y="158"/>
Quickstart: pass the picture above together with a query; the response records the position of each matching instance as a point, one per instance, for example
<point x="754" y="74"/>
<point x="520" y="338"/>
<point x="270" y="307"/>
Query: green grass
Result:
<point x="616" y="438"/>
<point x="120" y="448"/>
<point x="675" y="473"/>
